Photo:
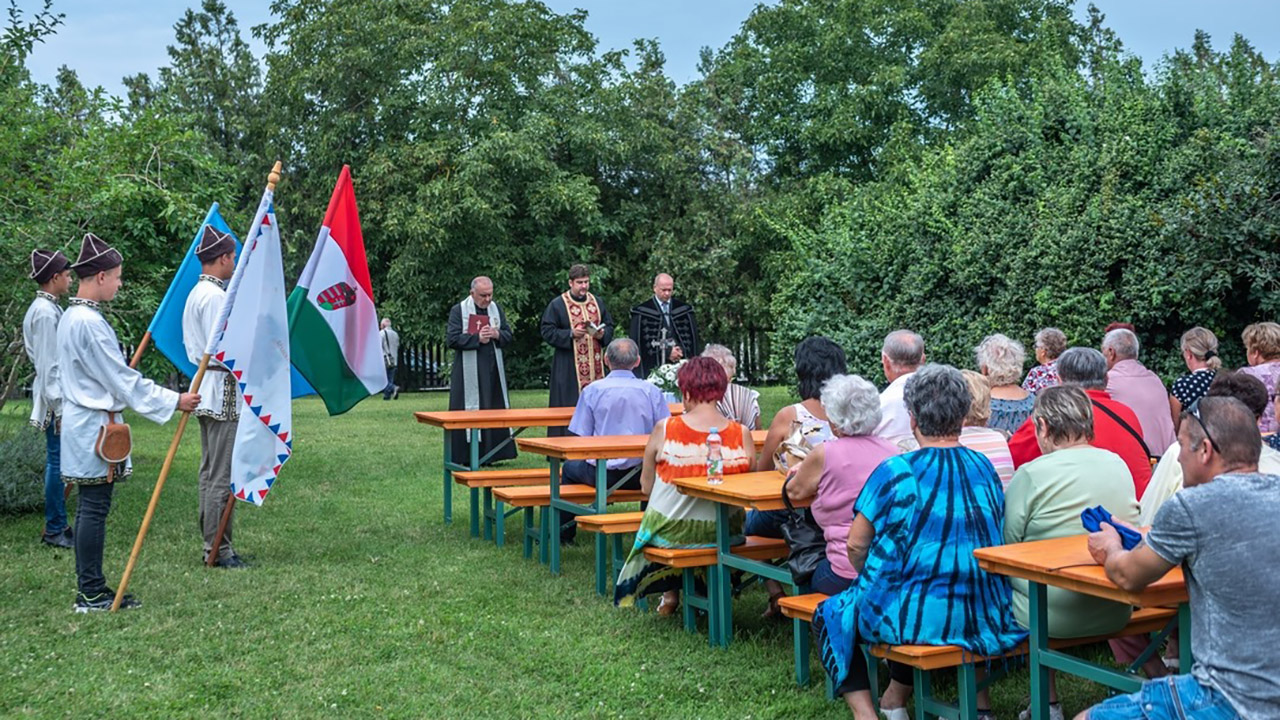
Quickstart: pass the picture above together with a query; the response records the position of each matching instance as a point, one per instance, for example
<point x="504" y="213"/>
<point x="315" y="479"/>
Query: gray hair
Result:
<point x="1123" y="342"/>
<point x="622" y="354"/>
<point x="1232" y="429"/>
<point x="852" y="404"/>
<point x="479" y="280"/>
<point x="1083" y="367"/>
<point x="904" y="349"/>
<point x="1052" y="340"/>
<point x="1067" y="413"/>
<point x="1001" y="358"/>
<point x="724" y="356"/>
<point x="938" y="398"/>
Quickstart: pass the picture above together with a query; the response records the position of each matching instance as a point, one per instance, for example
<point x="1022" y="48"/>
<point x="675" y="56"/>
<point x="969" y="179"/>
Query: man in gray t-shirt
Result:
<point x="1218" y="529"/>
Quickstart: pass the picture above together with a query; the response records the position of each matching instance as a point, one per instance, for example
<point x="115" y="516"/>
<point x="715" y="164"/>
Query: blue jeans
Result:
<point x="390" y="389"/>
<point x="55" y="504"/>
<point x="826" y="581"/>
<point x="1176" y="697"/>
<point x="582" y="472"/>
<point x="765" y="523"/>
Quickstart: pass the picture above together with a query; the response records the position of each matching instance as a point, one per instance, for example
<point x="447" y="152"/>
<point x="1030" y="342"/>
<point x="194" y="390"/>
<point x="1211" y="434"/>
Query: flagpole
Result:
<point x="272" y="178"/>
<point x="155" y="494"/>
<point x="142" y="347"/>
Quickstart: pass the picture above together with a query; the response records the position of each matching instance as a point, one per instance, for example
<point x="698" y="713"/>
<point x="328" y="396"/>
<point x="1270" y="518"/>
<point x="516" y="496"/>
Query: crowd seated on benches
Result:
<point x="678" y="448"/>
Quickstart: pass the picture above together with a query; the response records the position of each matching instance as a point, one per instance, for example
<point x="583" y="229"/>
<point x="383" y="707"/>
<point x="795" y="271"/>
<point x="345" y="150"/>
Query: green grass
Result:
<point x="362" y="603"/>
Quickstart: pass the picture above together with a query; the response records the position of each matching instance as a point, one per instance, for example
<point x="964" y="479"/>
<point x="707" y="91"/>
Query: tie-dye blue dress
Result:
<point x="931" y="509"/>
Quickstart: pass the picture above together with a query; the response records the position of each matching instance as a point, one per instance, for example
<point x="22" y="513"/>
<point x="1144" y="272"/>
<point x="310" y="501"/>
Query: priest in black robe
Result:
<point x="579" y="327"/>
<point x="664" y="327"/>
<point x="477" y="332"/>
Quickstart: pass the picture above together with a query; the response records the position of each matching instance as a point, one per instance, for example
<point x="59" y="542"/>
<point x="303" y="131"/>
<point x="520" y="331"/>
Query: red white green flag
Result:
<point x="333" y="326"/>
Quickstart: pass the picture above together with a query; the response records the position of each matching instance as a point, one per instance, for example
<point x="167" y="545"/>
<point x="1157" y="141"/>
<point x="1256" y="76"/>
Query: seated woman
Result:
<point x="740" y="404"/>
<point x="1050" y="343"/>
<point x="916" y="524"/>
<point x="678" y="448"/>
<point x="1262" y="350"/>
<point x="833" y="473"/>
<point x="1200" y="354"/>
<point x="977" y="436"/>
<point x="1045" y="500"/>
<point x="1000" y="358"/>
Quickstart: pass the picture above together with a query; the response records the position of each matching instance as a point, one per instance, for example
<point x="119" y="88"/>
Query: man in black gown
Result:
<point x="477" y="334"/>
<point x="665" y="328"/>
<point x="578" y="325"/>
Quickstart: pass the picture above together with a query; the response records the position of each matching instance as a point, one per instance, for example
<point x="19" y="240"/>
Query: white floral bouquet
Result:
<point x="664" y="376"/>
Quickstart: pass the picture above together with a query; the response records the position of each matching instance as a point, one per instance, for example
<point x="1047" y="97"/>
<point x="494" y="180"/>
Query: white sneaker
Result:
<point x="1055" y="712"/>
<point x="895" y="714"/>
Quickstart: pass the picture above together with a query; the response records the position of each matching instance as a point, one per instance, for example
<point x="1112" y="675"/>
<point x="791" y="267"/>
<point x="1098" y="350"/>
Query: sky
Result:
<point x="105" y="40"/>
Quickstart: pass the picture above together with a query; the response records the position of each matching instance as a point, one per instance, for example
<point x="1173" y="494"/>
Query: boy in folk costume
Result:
<point x="219" y="409"/>
<point x="97" y="384"/>
<point x="40" y="339"/>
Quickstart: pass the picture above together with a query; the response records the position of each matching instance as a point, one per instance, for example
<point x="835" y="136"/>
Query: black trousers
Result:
<point x="91" y="535"/>
<point x="858" y="680"/>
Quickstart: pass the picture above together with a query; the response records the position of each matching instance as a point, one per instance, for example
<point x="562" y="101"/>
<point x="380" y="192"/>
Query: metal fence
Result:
<point x="424" y="366"/>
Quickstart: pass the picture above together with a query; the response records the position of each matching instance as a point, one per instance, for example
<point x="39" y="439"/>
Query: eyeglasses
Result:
<point x="1194" y="411"/>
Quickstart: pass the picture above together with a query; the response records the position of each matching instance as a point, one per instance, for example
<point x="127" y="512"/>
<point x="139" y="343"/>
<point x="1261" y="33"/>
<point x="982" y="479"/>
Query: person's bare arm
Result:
<point x="777" y="433"/>
<point x="804" y="482"/>
<point x="1175" y="409"/>
<point x="861" y="533"/>
<point x="648" y="470"/>
<point x="1131" y="570"/>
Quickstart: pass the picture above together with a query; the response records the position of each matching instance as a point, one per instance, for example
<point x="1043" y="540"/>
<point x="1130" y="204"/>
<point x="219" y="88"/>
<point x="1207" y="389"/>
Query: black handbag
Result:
<point x="805" y="540"/>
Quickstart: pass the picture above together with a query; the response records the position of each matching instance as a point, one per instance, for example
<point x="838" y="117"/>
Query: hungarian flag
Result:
<point x="252" y="341"/>
<point x="333" y="327"/>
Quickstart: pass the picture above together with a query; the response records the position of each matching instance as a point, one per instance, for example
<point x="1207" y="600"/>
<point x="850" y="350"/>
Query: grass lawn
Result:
<point x="362" y="603"/>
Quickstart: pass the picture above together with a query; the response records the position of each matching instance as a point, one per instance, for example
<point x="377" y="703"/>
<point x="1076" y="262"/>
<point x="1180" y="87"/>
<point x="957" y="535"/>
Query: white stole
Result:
<point x="470" y="375"/>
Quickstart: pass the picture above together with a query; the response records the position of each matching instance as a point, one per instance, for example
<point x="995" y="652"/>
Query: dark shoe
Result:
<point x="395" y="394"/>
<point x="102" y="601"/>
<point x="232" y="563"/>
<point x="60" y="539"/>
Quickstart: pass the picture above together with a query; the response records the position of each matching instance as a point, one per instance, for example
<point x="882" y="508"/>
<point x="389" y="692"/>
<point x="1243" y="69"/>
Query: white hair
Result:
<point x="1000" y="358"/>
<point x="852" y="404"/>
<point x="724" y="356"/>
<point x="1124" y="342"/>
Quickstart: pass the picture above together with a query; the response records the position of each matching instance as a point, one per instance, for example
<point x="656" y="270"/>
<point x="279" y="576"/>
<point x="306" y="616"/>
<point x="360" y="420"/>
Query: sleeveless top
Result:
<point x="847" y="464"/>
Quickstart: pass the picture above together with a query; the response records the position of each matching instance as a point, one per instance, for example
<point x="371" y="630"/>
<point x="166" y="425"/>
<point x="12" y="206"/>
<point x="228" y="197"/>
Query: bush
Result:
<point x="21" y="469"/>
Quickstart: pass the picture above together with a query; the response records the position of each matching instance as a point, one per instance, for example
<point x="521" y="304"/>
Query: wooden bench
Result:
<point x="482" y="482"/>
<point x="924" y="659"/>
<point x="689" y="559"/>
<point x="527" y="498"/>
<point x="614" y="526"/>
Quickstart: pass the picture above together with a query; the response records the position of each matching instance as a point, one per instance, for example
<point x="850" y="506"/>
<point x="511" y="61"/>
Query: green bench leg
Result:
<point x="690" y="602"/>
<point x="602" y="564"/>
<point x="967" y="682"/>
<point x="486" y="513"/>
<point x="923" y="694"/>
<point x="544" y="534"/>
<point x="448" y="479"/>
<point x="528" y="534"/>
<point x="801" y="644"/>
<point x="500" y="525"/>
<point x="475" y="512"/>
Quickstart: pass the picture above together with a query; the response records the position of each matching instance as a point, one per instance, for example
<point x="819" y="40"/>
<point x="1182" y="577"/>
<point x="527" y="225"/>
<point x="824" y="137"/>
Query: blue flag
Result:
<point x="166" y="326"/>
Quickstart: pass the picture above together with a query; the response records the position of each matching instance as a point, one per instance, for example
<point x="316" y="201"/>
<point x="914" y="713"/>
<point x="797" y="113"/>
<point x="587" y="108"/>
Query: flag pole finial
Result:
<point x="274" y="176"/>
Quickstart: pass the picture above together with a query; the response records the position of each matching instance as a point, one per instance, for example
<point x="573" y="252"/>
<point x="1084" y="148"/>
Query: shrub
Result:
<point x="21" y="468"/>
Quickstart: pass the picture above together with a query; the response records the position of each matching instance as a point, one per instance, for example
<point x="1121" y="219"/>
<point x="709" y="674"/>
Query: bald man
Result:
<point x="664" y="327"/>
<point x="477" y="332"/>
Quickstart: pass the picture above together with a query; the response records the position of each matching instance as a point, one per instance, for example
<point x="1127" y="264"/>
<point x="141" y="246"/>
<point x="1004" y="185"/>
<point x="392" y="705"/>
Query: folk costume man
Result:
<point x="40" y="339"/>
<point x="97" y="384"/>
<point x="476" y="333"/>
<point x="578" y="325"/>
<point x="219" y="409"/>
<point x="665" y="328"/>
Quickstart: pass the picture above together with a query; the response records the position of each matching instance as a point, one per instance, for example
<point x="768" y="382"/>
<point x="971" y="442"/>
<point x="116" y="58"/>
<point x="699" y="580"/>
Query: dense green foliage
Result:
<point x="840" y="166"/>
<point x="21" y="468"/>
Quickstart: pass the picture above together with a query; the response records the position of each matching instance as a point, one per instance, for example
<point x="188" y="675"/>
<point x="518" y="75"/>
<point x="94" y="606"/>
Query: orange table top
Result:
<point x="604" y="447"/>
<point x="755" y="490"/>
<point x="1066" y="563"/>
<point x="513" y="418"/>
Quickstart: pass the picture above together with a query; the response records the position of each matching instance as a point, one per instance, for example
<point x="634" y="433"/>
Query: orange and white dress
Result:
<point x="674" y="519"/>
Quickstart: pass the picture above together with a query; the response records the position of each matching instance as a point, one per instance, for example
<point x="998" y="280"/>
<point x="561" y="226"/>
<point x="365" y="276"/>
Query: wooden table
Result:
<point x="601" y="449"/>
<point x="473" y="421"/>
<point x="749" y="491"/>
<point x="1066" y="563"/>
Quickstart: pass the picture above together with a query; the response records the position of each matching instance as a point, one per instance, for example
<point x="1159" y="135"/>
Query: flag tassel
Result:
<point x="155" y="494"/>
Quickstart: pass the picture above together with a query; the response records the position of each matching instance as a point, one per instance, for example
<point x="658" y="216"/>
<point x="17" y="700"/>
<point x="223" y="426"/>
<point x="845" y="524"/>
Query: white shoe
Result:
<point x="1055" y="712"/>
<point x="895" y="714"/>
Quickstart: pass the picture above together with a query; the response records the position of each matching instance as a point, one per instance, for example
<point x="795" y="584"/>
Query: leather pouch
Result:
<point x="115" y="442"/>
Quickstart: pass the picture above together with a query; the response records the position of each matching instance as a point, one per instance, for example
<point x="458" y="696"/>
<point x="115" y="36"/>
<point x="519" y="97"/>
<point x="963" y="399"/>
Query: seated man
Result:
<point x="1218" y="530"/>
<point x="1130" y="382"/>
<point x="1115" y="427"/>
<point x="617" y="404"/>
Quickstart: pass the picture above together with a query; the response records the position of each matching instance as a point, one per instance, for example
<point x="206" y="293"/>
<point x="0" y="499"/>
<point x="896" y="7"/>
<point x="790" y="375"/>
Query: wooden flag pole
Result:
<point x="142" y="347"/>
<point x="155" y="494"/>
<point x="272" y="178"/>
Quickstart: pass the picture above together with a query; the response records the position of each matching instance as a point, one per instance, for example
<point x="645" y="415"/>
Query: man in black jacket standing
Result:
<point x="665" y="328"/>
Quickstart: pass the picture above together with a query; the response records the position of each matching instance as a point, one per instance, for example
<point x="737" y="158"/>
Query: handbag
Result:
<point x="793" y="448"/>
<point x="114" y="443"/>
<point x="805" y="540"/>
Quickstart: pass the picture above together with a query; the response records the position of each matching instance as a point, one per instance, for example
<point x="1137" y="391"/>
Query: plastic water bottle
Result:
<point x="715" y="465"/>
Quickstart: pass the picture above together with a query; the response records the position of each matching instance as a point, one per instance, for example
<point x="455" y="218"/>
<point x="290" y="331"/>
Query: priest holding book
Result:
<point x="579" y="327"/>
<point x="476" y="333"/>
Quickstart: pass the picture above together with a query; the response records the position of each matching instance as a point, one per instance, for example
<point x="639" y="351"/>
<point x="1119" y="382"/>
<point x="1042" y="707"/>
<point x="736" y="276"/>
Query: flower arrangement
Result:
<point x="664" y="376"/>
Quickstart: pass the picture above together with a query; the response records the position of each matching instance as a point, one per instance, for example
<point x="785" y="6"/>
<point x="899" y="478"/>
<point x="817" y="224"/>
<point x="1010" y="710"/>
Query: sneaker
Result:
<point x="1055" y="712"/>
<point x="895" y="714"/>
<point x="102" y="601"/>
<point x="395" y="394"/>
<point x="59" y="539"/>
<point x="232" y="563"/>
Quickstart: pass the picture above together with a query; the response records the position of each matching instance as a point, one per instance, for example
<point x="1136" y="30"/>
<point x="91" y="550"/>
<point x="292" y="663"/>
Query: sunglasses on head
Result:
<point x="1194" y="411"/>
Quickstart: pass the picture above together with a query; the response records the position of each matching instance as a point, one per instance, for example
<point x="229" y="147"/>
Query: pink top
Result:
<point x="993" y="445"/>
<point x="847" y="465"/>
<point x="1269" y="373"/>
<point x="1131" y="383"/>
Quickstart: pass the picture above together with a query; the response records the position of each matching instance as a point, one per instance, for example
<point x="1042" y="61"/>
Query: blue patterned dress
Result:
<point x="931" y="509"/>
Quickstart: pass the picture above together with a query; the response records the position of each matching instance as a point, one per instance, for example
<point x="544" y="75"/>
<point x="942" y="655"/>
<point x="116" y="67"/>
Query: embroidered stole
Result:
<point x="588" y="358"/>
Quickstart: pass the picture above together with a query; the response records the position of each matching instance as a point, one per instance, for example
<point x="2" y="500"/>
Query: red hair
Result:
<point x="702" y="380"/>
